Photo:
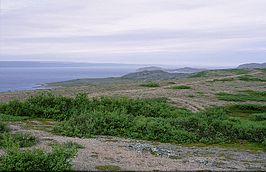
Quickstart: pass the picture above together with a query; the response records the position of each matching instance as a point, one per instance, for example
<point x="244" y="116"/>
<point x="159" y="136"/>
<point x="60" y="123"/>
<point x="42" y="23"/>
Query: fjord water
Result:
<point x="29" y="78"/>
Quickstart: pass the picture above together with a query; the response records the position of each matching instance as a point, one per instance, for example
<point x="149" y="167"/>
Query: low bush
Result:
<point x="223" y="80"/>
<point x="259" y="117"/>
<point x="264" y="144"/>
<point x="180" y="87"/>
<point x="149" y="119"/>
<point x="24" y="139"/>
<point x="38" y="160"/>
<point x="251" y="78"/>
<point x="200" y="74"/>
<point x="4" y="117"/>
<point x="19" y="138"/>
<point x="3" y="127"/>
<point x="150" y="84"/>
<point x="62" y="108"/>
<point x="246" y="108"/>
<point x="242" y="96"/>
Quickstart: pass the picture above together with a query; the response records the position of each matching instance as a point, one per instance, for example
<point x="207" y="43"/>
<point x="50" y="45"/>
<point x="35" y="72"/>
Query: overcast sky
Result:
<point x="175" y="32"/>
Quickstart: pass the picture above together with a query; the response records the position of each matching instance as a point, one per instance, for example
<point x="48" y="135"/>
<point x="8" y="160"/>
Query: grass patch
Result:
<point x="4" y="117"/>
<point x="237" y="71"/>
<point x="181" y="87"/>
<point x="242" y="96"/>
<point x="150" y="84"/>
<point x="3" y="128"/>
<point x="246" y="108"/>
<point x="69" y="145"/>
<point x="251" y="78"/>
<point x="24" y="139"/>
<point x="259" y="116"/>
<point x="107" y="168"/>
<point x="200" y="74"/>
<point x="223" y="80"/>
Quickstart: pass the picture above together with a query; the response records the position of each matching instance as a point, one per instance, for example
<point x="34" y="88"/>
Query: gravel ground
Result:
<point x="139" y="155"/>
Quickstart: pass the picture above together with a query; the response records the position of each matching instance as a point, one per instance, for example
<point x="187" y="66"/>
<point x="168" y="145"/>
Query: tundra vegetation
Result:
<point x="238" y="119"/>
<point x="148" y="119"/>
<point x="150" y="84"/>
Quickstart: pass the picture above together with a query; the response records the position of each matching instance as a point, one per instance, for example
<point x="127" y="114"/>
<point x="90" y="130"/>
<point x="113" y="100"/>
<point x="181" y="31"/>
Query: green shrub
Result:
<point x="264" y="144"/>
<point x="25" y="139"/>
<point x="246" y="108"/>
<point x="158" y="129"/>
<point x="250" y="78"/>
<point x="4" y="117"/>
<point x="200" y="74"/>
<point x="149" y="119"/>
<point x="14" y="107"/>
<point x="247" y="95"/>
<point x="3" y="127"/>
<point x="38" y="160"/>
<point x="259" y="117"/>
<point x="150" y="84"/>
<point x="223" y="79"/>
<point x="7" y="141"/>
<point x="19" y="138"/>
<point x="101" y="123"/>
<point x="180" y="87"/>
<point x="61" y="108"/>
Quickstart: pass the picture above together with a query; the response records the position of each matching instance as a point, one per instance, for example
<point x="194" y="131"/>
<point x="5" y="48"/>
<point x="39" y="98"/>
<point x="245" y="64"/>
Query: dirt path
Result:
<point x="128" y="154"/>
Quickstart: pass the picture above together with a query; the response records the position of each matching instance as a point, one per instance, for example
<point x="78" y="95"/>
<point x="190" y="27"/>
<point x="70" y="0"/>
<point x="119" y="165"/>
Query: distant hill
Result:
<point x="178" y="70"/>
<point x="252" y="65"/>
<point x="186" y="70"/>
<point x="153" y="75"/>
<point x="151" y="68"/>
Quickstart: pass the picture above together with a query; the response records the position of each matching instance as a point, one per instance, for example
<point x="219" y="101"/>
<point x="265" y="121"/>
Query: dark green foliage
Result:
<point x="117" y="124"/>
<point x="150" y="119"/>
<point x="158" y="129"/>
<point x="259" y="117"/>
<point x="242" y="96"/>
<point x="237" y="71"/>
<point x="262" y="70"/>
<point x="247" y="108"/>
<point x="20" y="139"/>
<point x="38" y="160"/>
<point x="200" y="74"/>
<point x="223" y="79"/>
<point x="24" y="139"/>
<point x="3" y="127"/>
<point x="4" y="117"/>
<point x="181" y="87"/>
<point x="150" y="84"/>
<point x="251" y="78"/>
<point x="14" y="107"/>
<point x="264" y="144"/>
<point x="61" y="108"/>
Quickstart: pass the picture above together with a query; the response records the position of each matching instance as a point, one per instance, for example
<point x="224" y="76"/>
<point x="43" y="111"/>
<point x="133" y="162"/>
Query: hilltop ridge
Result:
<point x="252" y="65"/>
